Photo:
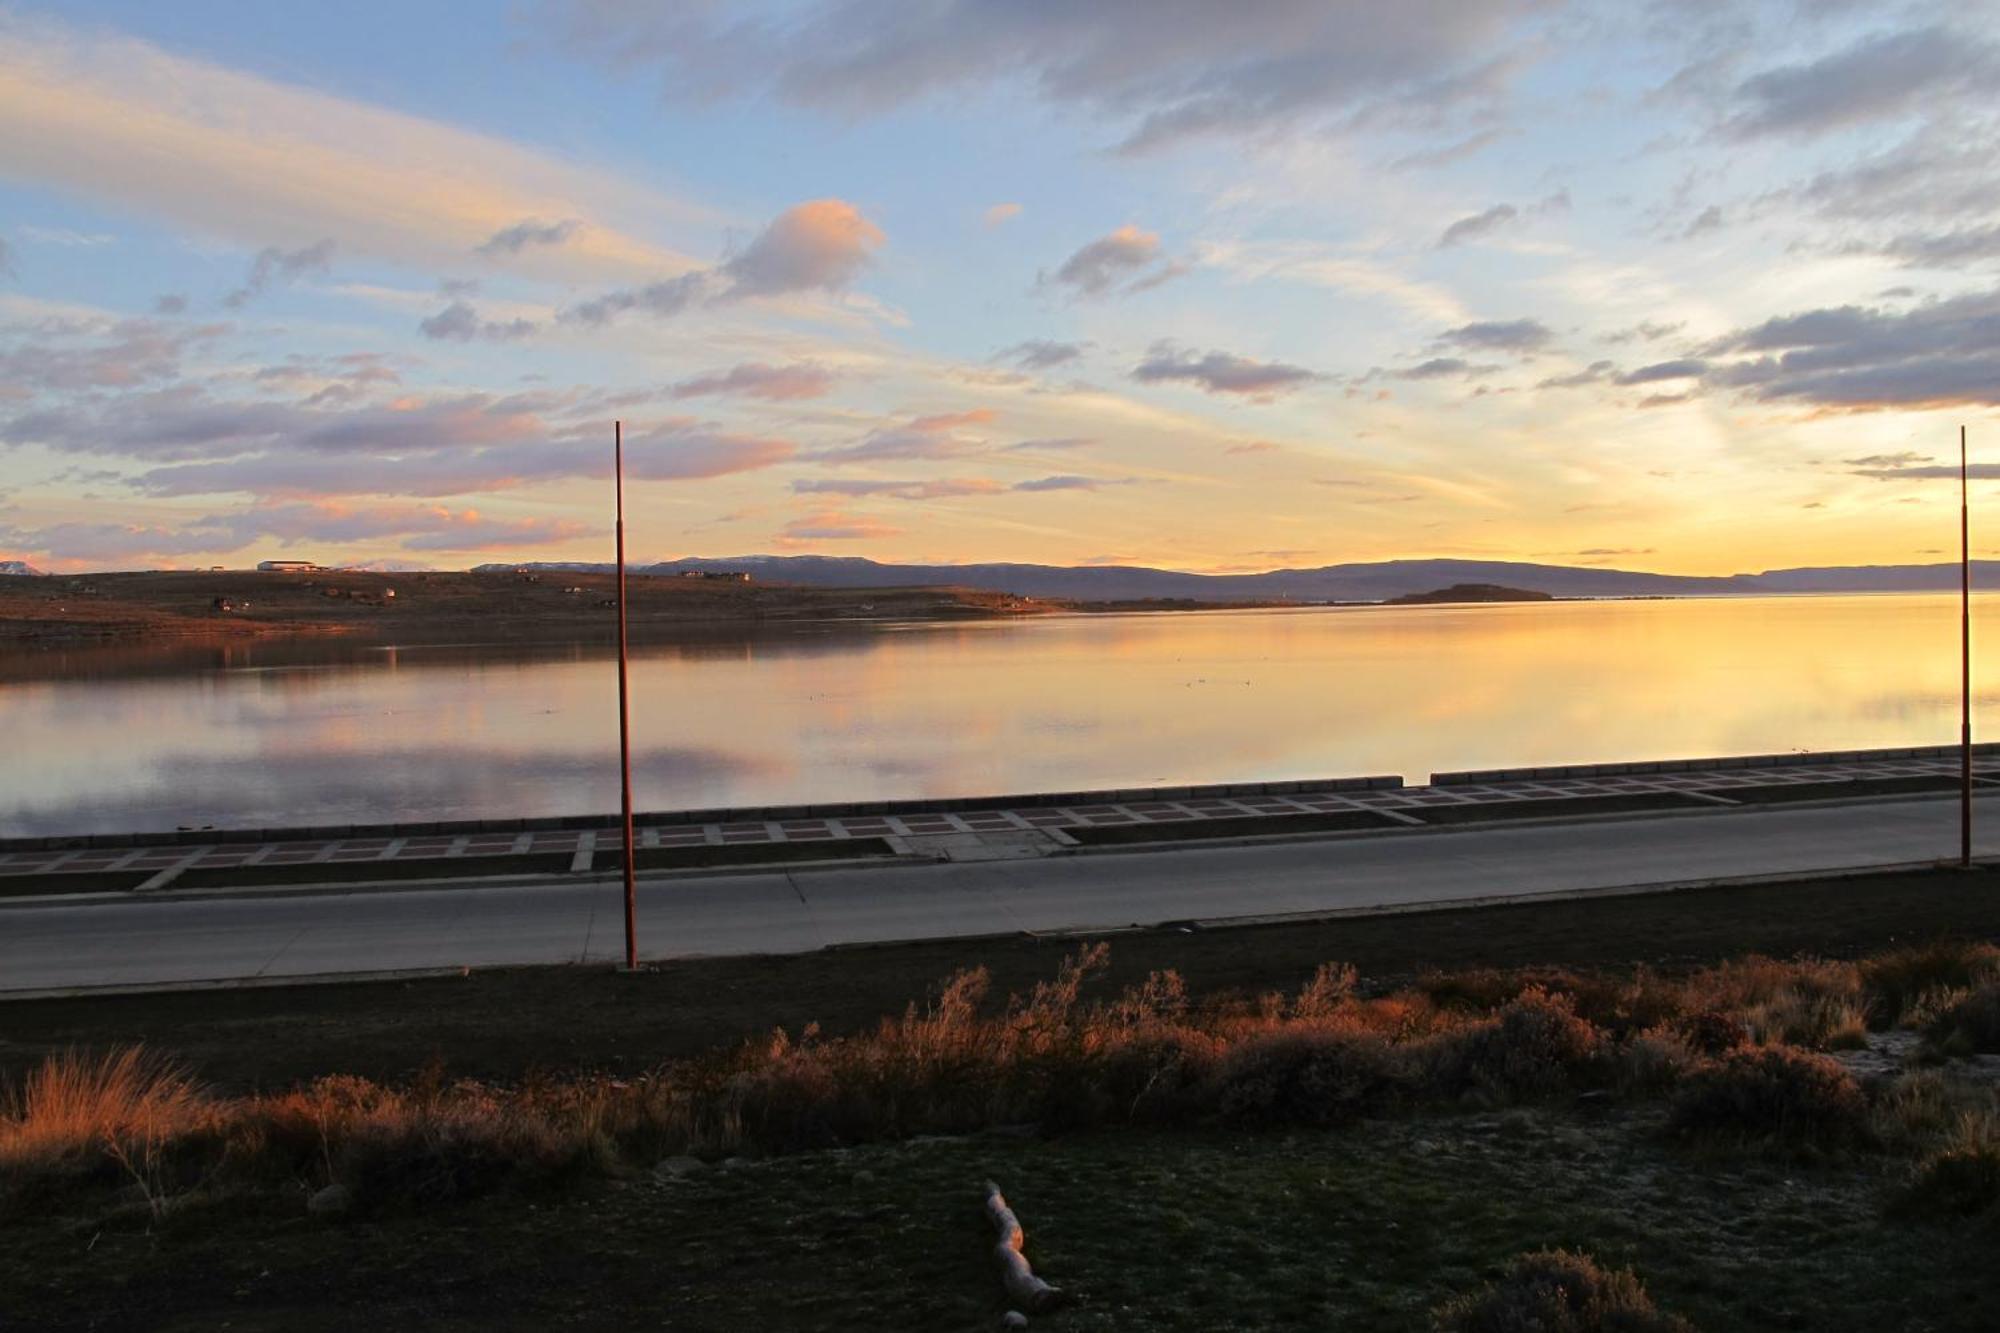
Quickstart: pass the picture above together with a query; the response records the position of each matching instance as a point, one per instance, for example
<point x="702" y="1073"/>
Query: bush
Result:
<point x="1315" y="1077"/>
<point x="1773" y="1092"/>
<point x="1535" y="1047"/>
<point x="1971" y="1026"/>
<point x="1962" y="1177"/>
<point x="1556" y="1291"/>
<point x="1899" y="982"/>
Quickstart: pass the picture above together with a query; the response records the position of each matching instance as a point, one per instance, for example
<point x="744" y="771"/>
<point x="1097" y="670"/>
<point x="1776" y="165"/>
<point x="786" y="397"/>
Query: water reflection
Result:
<point x="285" y="732"/>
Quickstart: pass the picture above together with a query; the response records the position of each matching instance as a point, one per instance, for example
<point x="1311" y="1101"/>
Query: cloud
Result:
<point x="943" y="488"/>
<point x="242" y="158"/>
<point x="1643" y="331"/>
<point x="1070" y="483"/>
<point x="1053" y="443"/>
<point x="55" y="356"/>
<point x="820" y="245"/>
<point x="172" y="303"/>
<point x="1253" y="447"/>
<point x="1880" y="76"/>
<point x="1521" y="336"/>
<point x="1041" y="353"/>
<point x="328" y="522"/>
<point x="1685" y="368"/>
<point x="1163" y="77"/>
<point x="1709" y="219"/>
<point x="667" y="297"/>
<point x="1441" y="368"/>
<point x="6" y="259"/>
<point x="833" y="525"/>
<point x="754" y="379"/>
<point x="1125" y="262"/>
<point x="1595" y="373"/>
<point x="1001" y="213"/>
<point x="275" y="265"/>
<point x="1221" y="372"/>
<point x="459" y="322"/>
<point x="528" y="232"/>
<point x="1457" y="151"/>
<point x="445" y="445"/>
<point x="927" y="437"/>
<point x="1905" y="459"/>
<point x="1937" y="354"/>
<point x="1935" y="472"/>
<point x="1478" y="225"/>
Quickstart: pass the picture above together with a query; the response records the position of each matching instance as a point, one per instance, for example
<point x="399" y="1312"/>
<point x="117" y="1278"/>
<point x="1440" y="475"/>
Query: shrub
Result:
<point x="1899" y="982"/>
<point x="1971" y="1026"/>
<point x="1708" y="1032"/>
<point x="1962" y="1179"/>
<point x="1534" y="1047"/>
<point x="1312" y="1076"/>
<point x="1557" y="1291"/>
<point x="1773" y="1092"/>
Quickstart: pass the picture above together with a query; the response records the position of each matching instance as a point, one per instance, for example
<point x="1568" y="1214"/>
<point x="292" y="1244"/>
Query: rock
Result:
<point x="333" y="1201"/>
<point x="673" y="1168"/>
<point x="1013" y="1319"/>
<point x="864" y="1177"/>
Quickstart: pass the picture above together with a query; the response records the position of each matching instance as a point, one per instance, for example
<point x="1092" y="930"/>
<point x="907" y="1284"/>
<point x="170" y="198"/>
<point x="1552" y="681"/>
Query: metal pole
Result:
<point x="624" y="706"/>
<point x="1964" y="661"/>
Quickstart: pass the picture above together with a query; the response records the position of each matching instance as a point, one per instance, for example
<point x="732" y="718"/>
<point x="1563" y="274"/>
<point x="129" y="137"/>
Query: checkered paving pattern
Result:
<point x="1715" y="784"/>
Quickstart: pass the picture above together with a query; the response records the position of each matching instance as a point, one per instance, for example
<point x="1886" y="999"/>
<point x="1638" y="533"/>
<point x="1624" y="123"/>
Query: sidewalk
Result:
<point x="1001" y="828"/>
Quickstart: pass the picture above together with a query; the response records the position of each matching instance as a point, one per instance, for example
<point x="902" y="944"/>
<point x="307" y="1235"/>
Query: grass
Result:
<point x="1371" y="1153"/>
<point x="1733" y="1044"/>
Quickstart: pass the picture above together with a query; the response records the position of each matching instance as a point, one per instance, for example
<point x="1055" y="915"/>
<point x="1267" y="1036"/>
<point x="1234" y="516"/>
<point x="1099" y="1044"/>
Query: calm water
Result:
<point x="341" y="733"/>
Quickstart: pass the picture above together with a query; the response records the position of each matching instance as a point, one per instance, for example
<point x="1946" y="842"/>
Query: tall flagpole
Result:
<point x="1964" y="662"/>
<point x="624" y="707"/>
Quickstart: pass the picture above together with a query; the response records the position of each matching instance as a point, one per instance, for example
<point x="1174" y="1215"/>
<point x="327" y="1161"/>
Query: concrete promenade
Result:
<point x="138" y="940"/>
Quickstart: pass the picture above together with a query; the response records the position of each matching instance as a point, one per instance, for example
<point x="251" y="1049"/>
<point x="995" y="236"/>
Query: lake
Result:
<point x="328" y="732"/>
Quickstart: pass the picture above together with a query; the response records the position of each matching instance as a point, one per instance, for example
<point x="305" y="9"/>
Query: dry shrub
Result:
<point x="1962" y="1178"/>
<point x="1557" y="1291"/>
<point x="1773" y="1093"/>
<point x="1316" y="1075"/>
<point x="1971" y="1025"/>
<point x="1902" y="982"/>
<point x="1654" y="1060"/>
<point x="1535" y="1046"/>
<point x="1708" y="1032"/>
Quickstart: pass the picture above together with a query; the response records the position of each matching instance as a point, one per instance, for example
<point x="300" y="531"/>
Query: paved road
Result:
<point x="165" y="940"/>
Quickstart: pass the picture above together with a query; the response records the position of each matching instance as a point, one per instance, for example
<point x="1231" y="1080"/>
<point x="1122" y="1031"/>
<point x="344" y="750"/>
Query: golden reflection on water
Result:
<point x="286" y="734"/>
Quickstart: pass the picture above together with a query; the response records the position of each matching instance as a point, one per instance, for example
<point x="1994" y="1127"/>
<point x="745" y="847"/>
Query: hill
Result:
<point x="1357" y="582"/>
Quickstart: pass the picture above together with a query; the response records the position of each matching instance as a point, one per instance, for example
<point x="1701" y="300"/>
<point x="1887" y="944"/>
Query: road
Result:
<point x="166" y="940"/>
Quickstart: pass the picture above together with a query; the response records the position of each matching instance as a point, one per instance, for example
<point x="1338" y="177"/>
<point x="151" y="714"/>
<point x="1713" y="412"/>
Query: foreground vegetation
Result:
<point x="1314" y="1134"/>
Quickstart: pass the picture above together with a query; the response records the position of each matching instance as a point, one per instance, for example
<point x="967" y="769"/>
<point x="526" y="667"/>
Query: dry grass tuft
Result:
<point x="1557" y="1291"/>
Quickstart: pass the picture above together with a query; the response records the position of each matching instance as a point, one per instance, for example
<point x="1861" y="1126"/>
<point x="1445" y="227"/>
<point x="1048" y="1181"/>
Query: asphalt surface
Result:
<point x="168" y="939"/>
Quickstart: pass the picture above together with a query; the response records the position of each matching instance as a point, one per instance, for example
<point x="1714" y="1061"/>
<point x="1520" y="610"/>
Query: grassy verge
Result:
<point x="1332" y="1154"/>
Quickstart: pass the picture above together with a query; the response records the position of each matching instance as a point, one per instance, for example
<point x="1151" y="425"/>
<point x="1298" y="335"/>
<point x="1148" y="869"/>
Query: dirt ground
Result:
<point x="506" y="1023"/>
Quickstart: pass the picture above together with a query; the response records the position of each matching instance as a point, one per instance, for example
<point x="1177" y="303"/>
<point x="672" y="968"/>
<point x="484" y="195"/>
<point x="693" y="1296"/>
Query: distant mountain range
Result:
<point x="1372" y="582"/>
<point x="20" y="568"/>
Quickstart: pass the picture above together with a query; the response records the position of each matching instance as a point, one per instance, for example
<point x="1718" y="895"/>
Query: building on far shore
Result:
<point x="287" y="567"/>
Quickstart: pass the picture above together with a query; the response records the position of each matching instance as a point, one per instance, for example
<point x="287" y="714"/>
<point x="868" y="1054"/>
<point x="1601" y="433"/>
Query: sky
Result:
<point x="1694" y="286"/>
